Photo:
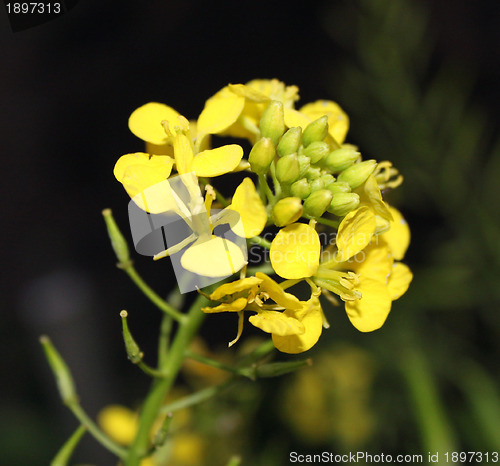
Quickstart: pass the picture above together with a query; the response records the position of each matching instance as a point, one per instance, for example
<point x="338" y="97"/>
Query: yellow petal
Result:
<point x="294" y="118"/>
<point x="145" y="122"/>
<point x="277" y="323"/>
<point x="119" y="422"/>
<point x="277" y="294"/>
<point x="234" y="306"/>
<point x="295" y="251"/>
<point x="216" y="257"/>
<point x="311" y="316"/>
<point x="248" y="93"/>
<point x="370" y="311"/>
<point x="338" y="121"/>
<point x="215" y="162"/>
<point x="355" y="232"/>
<point x="370" y="195"/>
<point x="399" y="280"/>
<point x="248" y="204"/>
<point x="220" y="112"/>
<point x="138" y="173"/>
<point x="242" y="284"/>
<point x="398" y="237"/>
<point x="375" y="261"/>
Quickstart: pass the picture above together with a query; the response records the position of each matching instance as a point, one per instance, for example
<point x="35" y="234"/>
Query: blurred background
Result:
<point x="419" y="80"/>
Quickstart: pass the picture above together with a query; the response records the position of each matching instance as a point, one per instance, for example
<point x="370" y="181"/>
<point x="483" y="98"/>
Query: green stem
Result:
<point x="267" y="190"/>
<point x="150" y="371"/>
<point x="260" y="242"/>
<point x="152" y="405"/>
<point x="276" y="183"/>
<point x="195" y="398"/>
<point x="153" y="297"/>
<point x="64" y="454"/>
<point x="100" y="436"/>
<point x="164" y="339"/>
<point x="245" y="372"/>
<point x="326" y="221"/>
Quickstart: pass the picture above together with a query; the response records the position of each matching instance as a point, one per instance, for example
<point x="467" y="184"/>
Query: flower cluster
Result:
<point x="302" y="178"/>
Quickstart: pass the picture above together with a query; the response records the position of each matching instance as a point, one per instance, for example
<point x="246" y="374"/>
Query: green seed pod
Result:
<point x="317" y="150"/>
<point x="300" y="188"/>
<point x="290" y="141"/>
<point x="272" y="123"/>
<point x="304" y="164"/>
<point x="343" y="203"/>
<point x="358" y="173"/>
<point x="341" y="159"/>
<point x="286" y="211"/>
<point x="261" y="155"/>
<point x="317" y="203"/>
<point x="338" y="187"/>
<point x="315" y="131"/>
<point x="287" y="169"/>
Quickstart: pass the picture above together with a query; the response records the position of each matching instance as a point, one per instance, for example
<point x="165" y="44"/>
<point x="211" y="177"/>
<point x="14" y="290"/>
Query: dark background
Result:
<point x="67" y="89"/>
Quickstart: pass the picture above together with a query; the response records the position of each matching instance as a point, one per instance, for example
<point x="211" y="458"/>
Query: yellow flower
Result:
<point x="294" y="330"/>
<point x="236" y="109"/>
<point x="362" y="271"/>
<point x="161" y="126"/>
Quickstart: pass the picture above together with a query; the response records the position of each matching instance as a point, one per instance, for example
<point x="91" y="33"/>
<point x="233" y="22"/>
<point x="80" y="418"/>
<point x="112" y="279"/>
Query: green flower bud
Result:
<point x="272" y="123"/>
<point x="61" y="372"/>
<point x="287" y="169"/>
<point x="317" y="184"/>
<point x="118" y="242"/>
<point x="316" y="204"/>
<point x="341" y="159"/>
<point x="327" y="179"/>
<point x="343" y="203"/>
<point x="304" y="164"/>
<point x="358" y="173"/>
<point x="315" y="131"/>
<point x="134" y="353"/>
<point x="313" y="173"/>
<point x="338" y="187"/>
<point x="317" y="150"/>
<point x="290" y="141"/>
<point x="300" y="188"/>
<point x="261" y="156"/>
<point x="286" y="211"/>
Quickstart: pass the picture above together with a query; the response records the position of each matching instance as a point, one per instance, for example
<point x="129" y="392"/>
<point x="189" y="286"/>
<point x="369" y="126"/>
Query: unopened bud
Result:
<point x="317" y="184"/>
<point x="272" y="123"/>
<point x="287" y="169"/>
<point x="134" y="353"/>
<point x="261" y="156"/>
<point x="317" y="150"/>
<point x="358" y="173"/>
<point x="313" y="173"/>
<point x="304" y="163"/>
<point x="301" y="188"/>
<point x="290" y="141"/>
<point x="286" y="211"/>
<point x="340" y="159"/>
<point x="338" y="187"/>
<point x="315" y="131"/>
<point x="118" y="242"/>
<point x="60" y="370"/>
<point x="343" y="203"/>
<point x="327" y="179"/>
<point x="317" y="203"/>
